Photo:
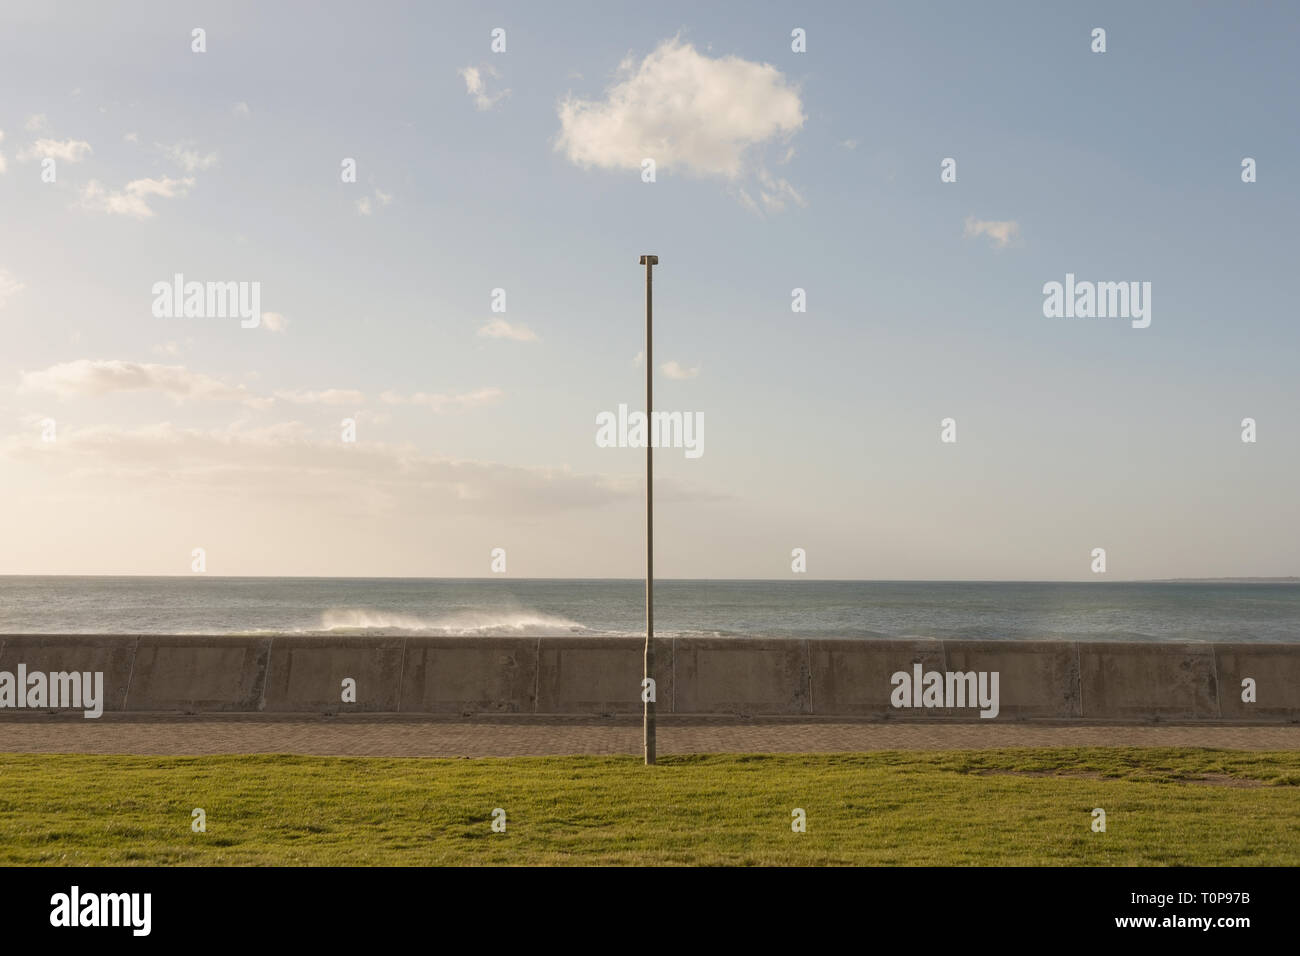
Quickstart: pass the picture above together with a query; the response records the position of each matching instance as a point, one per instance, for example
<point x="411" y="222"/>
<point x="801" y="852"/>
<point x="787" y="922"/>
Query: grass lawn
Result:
<point x="1016" y="807"/>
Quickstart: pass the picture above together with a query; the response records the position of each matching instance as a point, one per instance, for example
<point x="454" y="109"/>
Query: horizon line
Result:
<point x="363" y="577"/>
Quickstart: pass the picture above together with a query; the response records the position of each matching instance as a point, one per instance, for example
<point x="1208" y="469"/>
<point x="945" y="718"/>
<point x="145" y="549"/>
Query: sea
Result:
<point x="1227" y="611"/>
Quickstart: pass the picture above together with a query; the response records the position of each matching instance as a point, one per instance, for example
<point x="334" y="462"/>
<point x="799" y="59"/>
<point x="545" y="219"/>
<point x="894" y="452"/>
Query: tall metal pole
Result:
<point x="648" y="722"/>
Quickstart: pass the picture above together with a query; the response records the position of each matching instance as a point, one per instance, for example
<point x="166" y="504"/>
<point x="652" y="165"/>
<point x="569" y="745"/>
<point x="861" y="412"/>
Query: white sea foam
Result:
<point x="519" y="622"/>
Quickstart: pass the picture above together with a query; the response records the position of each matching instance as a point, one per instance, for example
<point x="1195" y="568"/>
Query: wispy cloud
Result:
<point x="501" y="329"/>
<point x="674" y="369"/>
<point x="93" y="378"/>
<point x="476" y="86"/>
<point x="1001" y="233"/>
<point x="9" y="286"/>
<point x="775" y="192"/>
<point x="264" y="461"/>
<point x="133" y="200"/>
<point x="64" y="150"/>
<point x="329" y="396"/>
<point x="366" y="204"/>
<point x="442" y="402"/>
<point x="185" y="155"/>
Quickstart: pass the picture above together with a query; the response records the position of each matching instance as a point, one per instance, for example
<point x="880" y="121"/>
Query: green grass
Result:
<point x="1016" y="807"/>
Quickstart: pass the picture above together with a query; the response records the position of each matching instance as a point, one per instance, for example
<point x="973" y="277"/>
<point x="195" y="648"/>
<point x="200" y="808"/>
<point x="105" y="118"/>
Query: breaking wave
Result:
<point x="518" y="623"/>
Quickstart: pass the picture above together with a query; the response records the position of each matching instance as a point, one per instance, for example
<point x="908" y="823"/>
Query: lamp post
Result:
<point x="648" y="721"/>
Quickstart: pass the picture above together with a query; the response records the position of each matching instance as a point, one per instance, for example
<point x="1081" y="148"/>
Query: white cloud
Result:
<point x="273" y="322"/>
<point x="168" y="348"/>
<point x="66" y="150"/>
<point x="501" y="329"/>
<point x="134" y="199"/>
<point x="132" y="137"/>
<point x="366" y="204"/>
<point x="37" y="123"/>
<point x="446" y="403"/>
<point x="262" y="462"/>
<point x="675" y="369"/>
<point x="1001" y="233"/>
<point x="241" y="109"/>
<point x="329" y="396"/>
<point x="682" y="109"/>
<point x="639" y="359"/>
<point x="188" y="158"/>
<point x="91" y="378"/>
<point x="850" y="144"/>
<point x="775" y="192"/>
<point x="476" y="86"/>
<point x="8" y="286"/>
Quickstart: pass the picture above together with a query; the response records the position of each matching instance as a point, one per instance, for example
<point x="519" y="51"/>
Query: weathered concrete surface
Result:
<point x="469" y="675"/>
<point x="1148" y="681"/>
<point x="1037" y="679"/>
<point x="600" y="675"/>
<point x="852" y="677"/>
<point x="306" y="674"/>
<point x="1275" y="669"/>
<point x="721" y="675"/>
<point x="193" y="674"/>
<point x="111" y="655"/>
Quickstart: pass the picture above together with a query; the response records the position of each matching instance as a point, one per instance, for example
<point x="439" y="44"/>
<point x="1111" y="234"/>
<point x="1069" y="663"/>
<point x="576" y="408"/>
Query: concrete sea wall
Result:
<point x="1036" y="680"/>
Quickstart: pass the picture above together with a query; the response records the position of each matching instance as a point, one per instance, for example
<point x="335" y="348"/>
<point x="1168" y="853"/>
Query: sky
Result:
<point x="130" y="438"/>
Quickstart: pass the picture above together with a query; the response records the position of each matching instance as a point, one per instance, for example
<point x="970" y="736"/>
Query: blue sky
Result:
<point x="822" y="427"/>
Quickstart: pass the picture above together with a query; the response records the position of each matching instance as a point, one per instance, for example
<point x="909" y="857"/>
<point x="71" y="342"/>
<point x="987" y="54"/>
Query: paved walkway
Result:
<point x="402" y="736"/>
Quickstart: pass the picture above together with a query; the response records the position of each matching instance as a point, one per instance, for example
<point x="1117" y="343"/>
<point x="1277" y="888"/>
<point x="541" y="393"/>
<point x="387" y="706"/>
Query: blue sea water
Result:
<point x="1162" y="611"/>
